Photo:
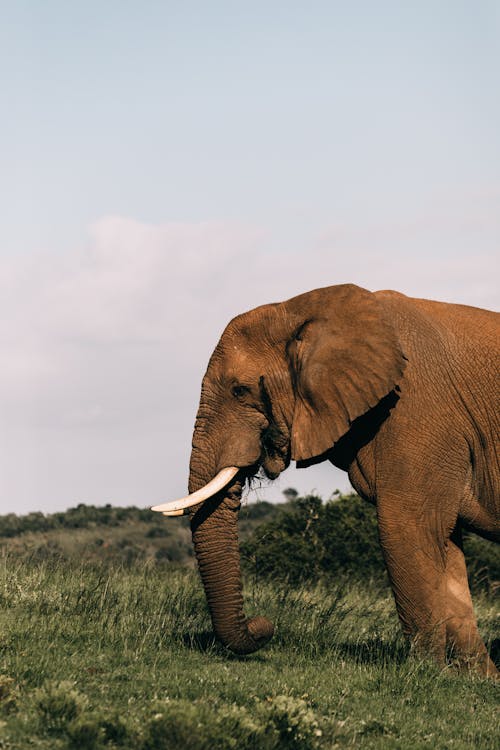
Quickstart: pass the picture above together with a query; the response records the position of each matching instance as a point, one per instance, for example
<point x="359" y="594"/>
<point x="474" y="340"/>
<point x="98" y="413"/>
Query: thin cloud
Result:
<point x="104" y="347"/>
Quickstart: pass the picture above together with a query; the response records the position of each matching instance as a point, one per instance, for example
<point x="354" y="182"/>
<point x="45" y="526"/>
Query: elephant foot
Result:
<point x="479" y="664"/>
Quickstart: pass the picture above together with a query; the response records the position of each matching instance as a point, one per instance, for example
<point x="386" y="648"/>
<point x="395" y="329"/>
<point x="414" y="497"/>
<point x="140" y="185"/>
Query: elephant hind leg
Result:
<point x="462" y="633"/>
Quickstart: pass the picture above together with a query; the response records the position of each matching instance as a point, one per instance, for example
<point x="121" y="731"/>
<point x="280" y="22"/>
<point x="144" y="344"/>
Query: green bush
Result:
<point x="294" y="722"/>
<point x="279" y="723"/>
<point x="173" y="551"/>
<point x="349" y="533"/>
<point x="96" y="731"/>
<point x="81" y="517"/>
<point x="309" y="539"/>
<point x="301" y="540"/>
<point x="115" y="730"/>
<point x="483" y="563"/>
<point x="85" y="733"/>
<point x="258" y="511"/>
<point x="197" y="726"/>
<point x="58" y="704"/>
<point x="9" y="694"/>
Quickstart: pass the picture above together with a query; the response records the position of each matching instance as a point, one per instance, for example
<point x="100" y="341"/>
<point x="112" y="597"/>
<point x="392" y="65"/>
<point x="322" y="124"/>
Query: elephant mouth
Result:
<point x="275" y="456"/>
<point x="273" y="466"/>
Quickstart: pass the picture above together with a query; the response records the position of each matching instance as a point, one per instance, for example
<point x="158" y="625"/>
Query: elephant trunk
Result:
<point x="215" y="536"/>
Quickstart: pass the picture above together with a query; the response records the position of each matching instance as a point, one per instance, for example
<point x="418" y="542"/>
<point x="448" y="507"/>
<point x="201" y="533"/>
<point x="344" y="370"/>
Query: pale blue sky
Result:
<point x="149" y="148"/>
<point x="283" y="113"/>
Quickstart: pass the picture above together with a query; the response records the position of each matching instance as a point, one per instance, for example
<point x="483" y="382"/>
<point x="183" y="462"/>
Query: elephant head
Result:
<point x="285" y="382"/>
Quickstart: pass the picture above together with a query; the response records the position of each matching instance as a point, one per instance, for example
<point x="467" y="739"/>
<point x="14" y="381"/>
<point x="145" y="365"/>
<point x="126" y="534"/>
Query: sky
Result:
<point x="165" y="166"/>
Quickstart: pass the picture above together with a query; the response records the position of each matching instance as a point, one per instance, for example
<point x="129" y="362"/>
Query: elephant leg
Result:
<point x="462" y="633"/>
<point x="416" y="563"/>
<point x="428" y="576"/>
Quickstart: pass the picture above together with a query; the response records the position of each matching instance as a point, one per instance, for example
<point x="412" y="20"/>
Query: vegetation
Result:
<point x="116" y="651"/>
<point x="308" y="539"/>
<point x="109" y="535"/>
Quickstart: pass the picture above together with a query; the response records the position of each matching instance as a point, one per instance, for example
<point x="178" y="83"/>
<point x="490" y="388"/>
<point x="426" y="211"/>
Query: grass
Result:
<point x="95" y="656"/>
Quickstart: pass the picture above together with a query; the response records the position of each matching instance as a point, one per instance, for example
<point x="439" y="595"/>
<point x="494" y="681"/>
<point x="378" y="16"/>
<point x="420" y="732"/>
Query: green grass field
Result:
<point x="103" y="655"/>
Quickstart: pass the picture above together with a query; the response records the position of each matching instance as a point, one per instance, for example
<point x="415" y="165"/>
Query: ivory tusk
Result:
<point x="179" y="507"/>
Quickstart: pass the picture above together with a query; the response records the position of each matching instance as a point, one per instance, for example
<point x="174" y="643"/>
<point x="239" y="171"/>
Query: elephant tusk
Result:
<point x="179" y="507"/>
<point x="182" y="512"/>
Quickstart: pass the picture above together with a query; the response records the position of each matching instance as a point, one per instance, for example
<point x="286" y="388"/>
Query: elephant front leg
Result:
<point x="429" y="580"/>
<point x="416" y="565"/>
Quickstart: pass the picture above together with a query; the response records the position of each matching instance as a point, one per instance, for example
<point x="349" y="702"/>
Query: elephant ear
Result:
<point x="344" y="357"/>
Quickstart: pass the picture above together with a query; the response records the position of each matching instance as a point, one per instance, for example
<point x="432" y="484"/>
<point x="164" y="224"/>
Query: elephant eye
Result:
<point x="239" y="390"/>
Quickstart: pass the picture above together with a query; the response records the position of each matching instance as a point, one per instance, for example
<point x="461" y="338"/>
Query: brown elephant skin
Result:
<point x="399" y="392"/>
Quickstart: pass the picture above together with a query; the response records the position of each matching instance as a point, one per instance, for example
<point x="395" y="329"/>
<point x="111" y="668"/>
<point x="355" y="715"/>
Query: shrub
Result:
<point x="280" y="723"/>
<point x="295" y="723"/>
<point x="58" y="704"/>
<point x="115" y="730"/>
<point x="9" y="694"/>
<point x="259" y="510"/>
<point x="172" y="552"/>
<point x="91" y="731"/>
<point x="157" y="531"/>
<point x="196" y="726"/>
<point x="483" y="563"/>
<point x="85" y="733"/>
<point x="349" y="534"/>
<point x="311" y="539"/>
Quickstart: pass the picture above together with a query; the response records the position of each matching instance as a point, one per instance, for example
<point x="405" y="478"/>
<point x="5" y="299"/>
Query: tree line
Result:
<point x="300" y="540"/>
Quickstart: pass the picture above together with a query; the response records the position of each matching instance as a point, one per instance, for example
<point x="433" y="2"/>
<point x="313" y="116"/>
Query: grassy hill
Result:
<point x="105" y="641"/>
<point x="109" y="534"/>
<point x="303" y="538"/>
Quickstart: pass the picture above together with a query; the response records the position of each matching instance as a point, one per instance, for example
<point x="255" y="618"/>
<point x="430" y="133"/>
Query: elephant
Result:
<point x="397" y="391"/>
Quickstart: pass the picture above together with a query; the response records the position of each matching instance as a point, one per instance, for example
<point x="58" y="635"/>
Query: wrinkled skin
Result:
<point x="398" y="392"/>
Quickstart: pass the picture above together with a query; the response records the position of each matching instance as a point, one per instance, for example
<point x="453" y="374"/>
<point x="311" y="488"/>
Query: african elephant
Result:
<point x="400" y="393"/>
